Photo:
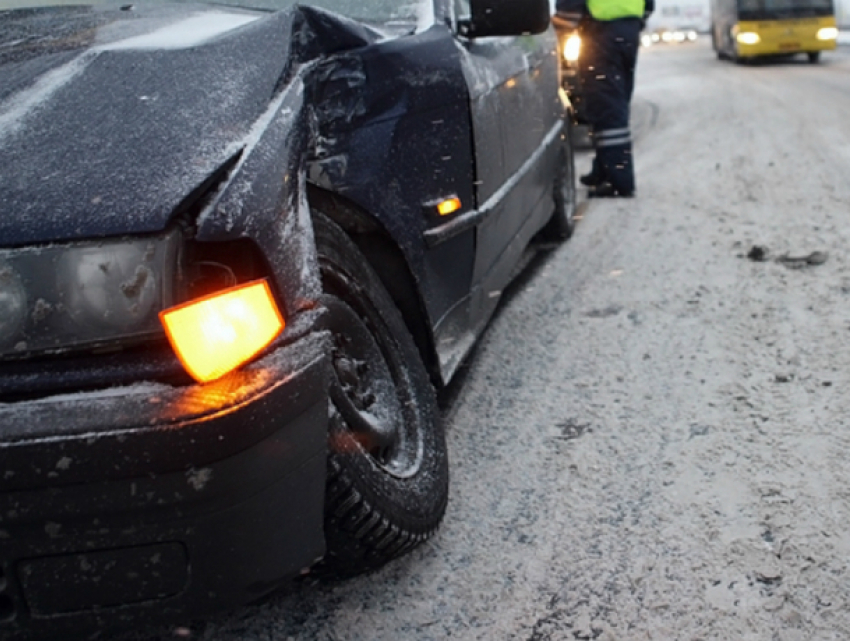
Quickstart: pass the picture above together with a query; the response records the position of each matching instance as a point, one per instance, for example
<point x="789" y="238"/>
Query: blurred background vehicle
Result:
<point x="664" y="35"/>
<point x="743" y="30"/>
<point x="677" y="22"/>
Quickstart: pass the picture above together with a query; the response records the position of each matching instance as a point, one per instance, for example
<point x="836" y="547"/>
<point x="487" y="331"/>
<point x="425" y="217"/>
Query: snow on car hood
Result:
<point x="112" y="118"/>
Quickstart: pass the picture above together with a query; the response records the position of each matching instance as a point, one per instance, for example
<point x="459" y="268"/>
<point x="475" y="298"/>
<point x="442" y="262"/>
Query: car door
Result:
<point x="513" y="92"/>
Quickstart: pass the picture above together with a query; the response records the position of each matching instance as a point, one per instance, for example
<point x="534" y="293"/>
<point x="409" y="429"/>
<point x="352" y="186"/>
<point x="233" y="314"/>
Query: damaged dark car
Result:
<point x="241" y="245"/>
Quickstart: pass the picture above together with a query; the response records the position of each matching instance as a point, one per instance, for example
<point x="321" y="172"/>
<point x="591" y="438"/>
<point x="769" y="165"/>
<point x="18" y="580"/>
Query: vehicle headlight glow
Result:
<point x="216" y="334"/>
<point x="692" y="35"/>
<point x="62" y="297"/>
<point x="748" y="38"/>
<point x="827" y="33"/>
<point x="572" y="48"/>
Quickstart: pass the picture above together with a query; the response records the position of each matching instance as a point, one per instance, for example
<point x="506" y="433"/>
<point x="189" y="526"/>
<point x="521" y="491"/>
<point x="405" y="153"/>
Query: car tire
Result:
<point x="387" y="479"/>
<point x="562" y="223"/>
<point x="714" y="44"/>
<point x="733" y="48"/>
<point x="814" y="56"/>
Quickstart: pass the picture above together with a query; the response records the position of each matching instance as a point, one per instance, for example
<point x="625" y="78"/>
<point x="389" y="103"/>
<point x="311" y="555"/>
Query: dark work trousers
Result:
<point x="607" y="75"/>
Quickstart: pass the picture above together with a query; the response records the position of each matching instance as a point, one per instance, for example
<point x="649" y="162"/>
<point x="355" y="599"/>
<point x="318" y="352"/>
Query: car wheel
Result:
<point x="714" y="44"/>
<point x="562" y="223"/>
<point x="387" y="483"/>
<point x="814" y="56"/>
<point x="733" y="48"/>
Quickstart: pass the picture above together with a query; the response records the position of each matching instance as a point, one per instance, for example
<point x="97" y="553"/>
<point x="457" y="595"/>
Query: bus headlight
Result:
<point x="827" y="33"/>
<point x="748" y="38"/>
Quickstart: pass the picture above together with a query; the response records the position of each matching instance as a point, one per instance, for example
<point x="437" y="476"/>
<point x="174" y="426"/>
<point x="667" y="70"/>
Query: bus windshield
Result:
<point x="774" y="9"/>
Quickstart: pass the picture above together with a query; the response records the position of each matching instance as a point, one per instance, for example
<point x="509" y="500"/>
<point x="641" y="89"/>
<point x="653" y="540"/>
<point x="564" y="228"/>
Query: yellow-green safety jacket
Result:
<point x="613" y="9"/>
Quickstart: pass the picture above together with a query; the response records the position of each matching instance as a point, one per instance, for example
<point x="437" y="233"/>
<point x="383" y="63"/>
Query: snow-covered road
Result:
<point x="653" y="439"/>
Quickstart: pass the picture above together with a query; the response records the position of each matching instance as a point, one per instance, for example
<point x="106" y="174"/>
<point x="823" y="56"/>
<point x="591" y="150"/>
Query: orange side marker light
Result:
<point x="216" y="334"/>
<point x="448" y="206"/>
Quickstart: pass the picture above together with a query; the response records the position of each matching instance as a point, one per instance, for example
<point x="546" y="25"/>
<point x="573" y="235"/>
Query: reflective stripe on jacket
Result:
<point x="613" y="9"/>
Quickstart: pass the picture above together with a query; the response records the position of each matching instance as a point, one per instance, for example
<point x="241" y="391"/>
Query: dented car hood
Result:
<point x="114" y="118"/>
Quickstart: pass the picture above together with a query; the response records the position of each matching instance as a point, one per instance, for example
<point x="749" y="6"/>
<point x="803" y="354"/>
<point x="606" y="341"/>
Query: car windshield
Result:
<point x="371" y="11"/>
<point x="767" y="9"/>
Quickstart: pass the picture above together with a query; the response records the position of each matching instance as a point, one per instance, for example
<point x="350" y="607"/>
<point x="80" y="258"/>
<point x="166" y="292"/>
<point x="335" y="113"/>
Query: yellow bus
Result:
<point x="742" y="30"/>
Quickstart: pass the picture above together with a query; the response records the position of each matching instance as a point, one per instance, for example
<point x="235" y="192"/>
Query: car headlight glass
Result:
<point x="61" y="297"/>
<point x="827" y="33"/>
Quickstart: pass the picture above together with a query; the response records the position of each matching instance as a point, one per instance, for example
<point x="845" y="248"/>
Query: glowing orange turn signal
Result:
<point x="216" y="334"/>
<point x="448" y="206"/>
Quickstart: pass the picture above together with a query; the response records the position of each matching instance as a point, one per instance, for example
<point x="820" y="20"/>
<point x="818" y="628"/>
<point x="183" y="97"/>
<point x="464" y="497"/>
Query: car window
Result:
<point x="784" y="5"/>
<point x="378" y="11"/>
<point x="372" y="11"/>
<point x="462" y="9"/>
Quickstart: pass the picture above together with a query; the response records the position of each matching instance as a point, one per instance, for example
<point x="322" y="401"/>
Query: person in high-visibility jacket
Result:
<point x="610" y="36"/>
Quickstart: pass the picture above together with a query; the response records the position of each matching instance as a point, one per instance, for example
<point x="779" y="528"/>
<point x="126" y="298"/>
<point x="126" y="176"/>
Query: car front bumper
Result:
<point x="155" y="503"/>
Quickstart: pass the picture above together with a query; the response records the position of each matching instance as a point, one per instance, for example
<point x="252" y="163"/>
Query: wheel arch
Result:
<point x="386" y="258"/>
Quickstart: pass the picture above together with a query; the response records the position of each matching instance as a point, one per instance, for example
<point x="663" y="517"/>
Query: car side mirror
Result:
<point x="506" y="18"/>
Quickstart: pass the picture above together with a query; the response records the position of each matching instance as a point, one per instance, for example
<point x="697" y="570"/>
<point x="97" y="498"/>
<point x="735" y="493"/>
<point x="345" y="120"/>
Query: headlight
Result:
<point x="63" y="297"/>
<point x="572" y="48"/>
<point x="827" y="33"/>
<point x="748" y="38"/>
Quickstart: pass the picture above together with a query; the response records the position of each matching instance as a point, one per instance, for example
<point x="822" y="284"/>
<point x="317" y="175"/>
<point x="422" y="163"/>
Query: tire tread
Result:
<point x="367" y="525"/>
